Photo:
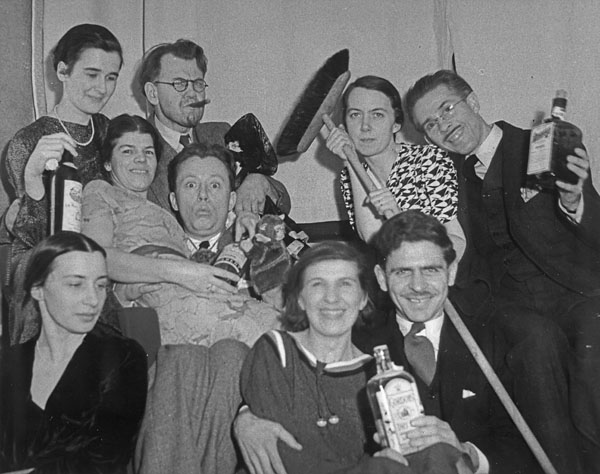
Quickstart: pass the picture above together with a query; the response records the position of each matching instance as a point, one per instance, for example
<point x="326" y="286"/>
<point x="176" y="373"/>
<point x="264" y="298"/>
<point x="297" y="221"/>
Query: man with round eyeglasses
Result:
<point x="538" y="249"/>
<point x="172" y="78"/>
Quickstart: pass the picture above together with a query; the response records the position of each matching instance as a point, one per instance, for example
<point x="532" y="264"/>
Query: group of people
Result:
<point x="245" y="383"/>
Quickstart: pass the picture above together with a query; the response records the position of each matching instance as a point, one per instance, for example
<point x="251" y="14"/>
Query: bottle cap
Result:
<point x="561" y="94"/>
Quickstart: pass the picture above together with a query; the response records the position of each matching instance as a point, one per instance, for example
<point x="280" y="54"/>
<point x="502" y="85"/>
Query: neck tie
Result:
<point x="185" y="140"/>
<point x="420" y="354"/>
<point x="202" y="253"/>
<point x="469" y="167"/>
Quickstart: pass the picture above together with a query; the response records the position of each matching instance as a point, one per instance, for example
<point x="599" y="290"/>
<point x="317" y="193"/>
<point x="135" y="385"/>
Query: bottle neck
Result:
<point x="383" y="363"/>
<point x="67" y="159"/>
<point x="558" y="112"/>
<point x="559" y="108"/>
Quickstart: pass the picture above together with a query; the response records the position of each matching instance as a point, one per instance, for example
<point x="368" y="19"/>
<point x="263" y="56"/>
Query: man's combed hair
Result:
<point x="411" y="226"/>
<point x="182" y="49"/>
<point x="202" y="150"/>
<point x="443" y="77"/>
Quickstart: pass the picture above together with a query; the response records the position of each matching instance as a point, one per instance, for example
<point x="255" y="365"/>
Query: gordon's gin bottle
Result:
<point x="394" y="400"/>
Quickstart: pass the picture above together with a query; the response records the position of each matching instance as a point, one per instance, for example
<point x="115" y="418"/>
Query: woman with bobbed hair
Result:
<point x="87" y="61"/>
<point x="310" y="378"/>
<point x="72" y="398"/>
<point x="419" y="177"/>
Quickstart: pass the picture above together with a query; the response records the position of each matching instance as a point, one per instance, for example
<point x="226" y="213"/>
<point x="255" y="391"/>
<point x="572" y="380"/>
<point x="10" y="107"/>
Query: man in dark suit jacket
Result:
<point x="536" y="248"/>
<point x="172" y="80"/>
<point x="415" y="266"/>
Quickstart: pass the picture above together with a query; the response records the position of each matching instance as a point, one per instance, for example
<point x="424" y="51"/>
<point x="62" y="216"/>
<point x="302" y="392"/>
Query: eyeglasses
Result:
<point x="432" y="126"/>
<point x="180" y="84"/>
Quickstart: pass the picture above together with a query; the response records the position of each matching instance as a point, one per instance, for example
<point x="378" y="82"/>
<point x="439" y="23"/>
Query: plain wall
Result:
<point x="262" y="53"/>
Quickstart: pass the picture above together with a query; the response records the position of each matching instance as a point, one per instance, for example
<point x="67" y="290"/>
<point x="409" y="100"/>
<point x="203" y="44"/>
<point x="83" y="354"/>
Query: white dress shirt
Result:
<point x="433" y="332"/>
<point x="171" y="136"/>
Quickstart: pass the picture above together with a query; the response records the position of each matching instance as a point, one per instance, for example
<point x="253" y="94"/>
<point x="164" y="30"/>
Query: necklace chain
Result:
<point x="55" y="111"/>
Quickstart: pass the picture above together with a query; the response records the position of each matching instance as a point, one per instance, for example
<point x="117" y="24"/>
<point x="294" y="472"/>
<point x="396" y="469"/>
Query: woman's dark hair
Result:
<point x="376" y="83"/>
<point x="294" y="318"/>
<point x="40" y="263"/>
<point x="201" y="150"/>
<point x="83" y="37"/>
<point x="121" y="125"/>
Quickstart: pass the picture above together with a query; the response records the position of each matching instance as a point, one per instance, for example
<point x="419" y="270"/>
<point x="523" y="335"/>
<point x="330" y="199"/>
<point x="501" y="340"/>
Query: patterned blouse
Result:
<point x="422" y="178"/>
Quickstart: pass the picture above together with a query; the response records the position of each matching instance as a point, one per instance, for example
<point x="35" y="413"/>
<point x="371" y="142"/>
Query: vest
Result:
<point x="489" y="225"/>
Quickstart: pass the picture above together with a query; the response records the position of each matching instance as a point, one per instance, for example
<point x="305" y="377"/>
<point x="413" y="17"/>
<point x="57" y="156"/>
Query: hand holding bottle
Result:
<point x="570" y="193"/>
<point x="49" y="147"/>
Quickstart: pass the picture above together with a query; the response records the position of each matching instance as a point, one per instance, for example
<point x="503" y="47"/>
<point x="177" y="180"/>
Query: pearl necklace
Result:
<point x="55" y="112"/>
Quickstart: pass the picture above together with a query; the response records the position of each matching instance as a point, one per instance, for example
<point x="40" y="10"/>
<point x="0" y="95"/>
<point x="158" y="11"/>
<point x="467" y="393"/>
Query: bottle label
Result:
<point x="399" y="404"/>
<point x="71" y="216"/>
<point x="232" y="258"/>
<point x="540" y="149"/>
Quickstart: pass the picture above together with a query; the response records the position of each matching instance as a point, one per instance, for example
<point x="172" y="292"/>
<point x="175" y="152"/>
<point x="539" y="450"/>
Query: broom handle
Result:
<point x="503" y="395"/>
<point x="352" y="159"/>
<point x="362" y="174"/>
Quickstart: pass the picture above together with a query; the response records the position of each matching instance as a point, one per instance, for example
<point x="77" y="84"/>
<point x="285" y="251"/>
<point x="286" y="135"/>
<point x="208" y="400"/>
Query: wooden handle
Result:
<point x="496" y="384"/>
<point x="363" y="176"/>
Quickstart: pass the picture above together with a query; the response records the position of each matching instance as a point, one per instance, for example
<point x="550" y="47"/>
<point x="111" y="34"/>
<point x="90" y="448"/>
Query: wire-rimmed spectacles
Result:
<point x="432" y="126"/>
<point x="180" y="84"/>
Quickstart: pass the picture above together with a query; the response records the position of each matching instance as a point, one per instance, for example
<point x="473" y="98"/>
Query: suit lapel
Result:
<point x="453" y="368"/>
<point x="159" y="190"/>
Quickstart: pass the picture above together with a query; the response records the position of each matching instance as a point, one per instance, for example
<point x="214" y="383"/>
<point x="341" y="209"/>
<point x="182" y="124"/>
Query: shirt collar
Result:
<point x="194" y="244"/>
<point x="486" y="151"/>
<point x="169" y="135"/>
<point x="432" y="331"/>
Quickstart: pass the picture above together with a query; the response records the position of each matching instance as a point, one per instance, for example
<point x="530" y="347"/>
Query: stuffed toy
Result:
<point x="269" y="258"/>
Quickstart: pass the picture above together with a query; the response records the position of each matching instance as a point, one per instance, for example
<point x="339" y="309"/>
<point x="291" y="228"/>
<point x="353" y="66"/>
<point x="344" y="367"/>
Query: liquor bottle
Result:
<point x="550" y="144"/>
<point x="295" y="239"/>
<point x="65" y="196"/>
<point x="233" y="259"/>
<point x="394" y="400"/>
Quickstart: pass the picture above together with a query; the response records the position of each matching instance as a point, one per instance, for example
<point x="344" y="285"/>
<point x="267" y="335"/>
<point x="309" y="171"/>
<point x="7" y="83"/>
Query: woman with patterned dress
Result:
<point x="420" y="177"/>
<point x="135" y="232"/>
<point x="87" y="60"/>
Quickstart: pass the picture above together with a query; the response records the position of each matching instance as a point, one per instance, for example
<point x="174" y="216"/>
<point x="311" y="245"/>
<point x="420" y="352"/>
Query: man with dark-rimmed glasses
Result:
<point x="171" y="78"/>
<point x="538" y="249"/>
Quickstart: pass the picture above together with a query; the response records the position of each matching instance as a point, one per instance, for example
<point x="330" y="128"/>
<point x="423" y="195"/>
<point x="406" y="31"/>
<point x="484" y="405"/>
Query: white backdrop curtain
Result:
<point x="263" y="52"/>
